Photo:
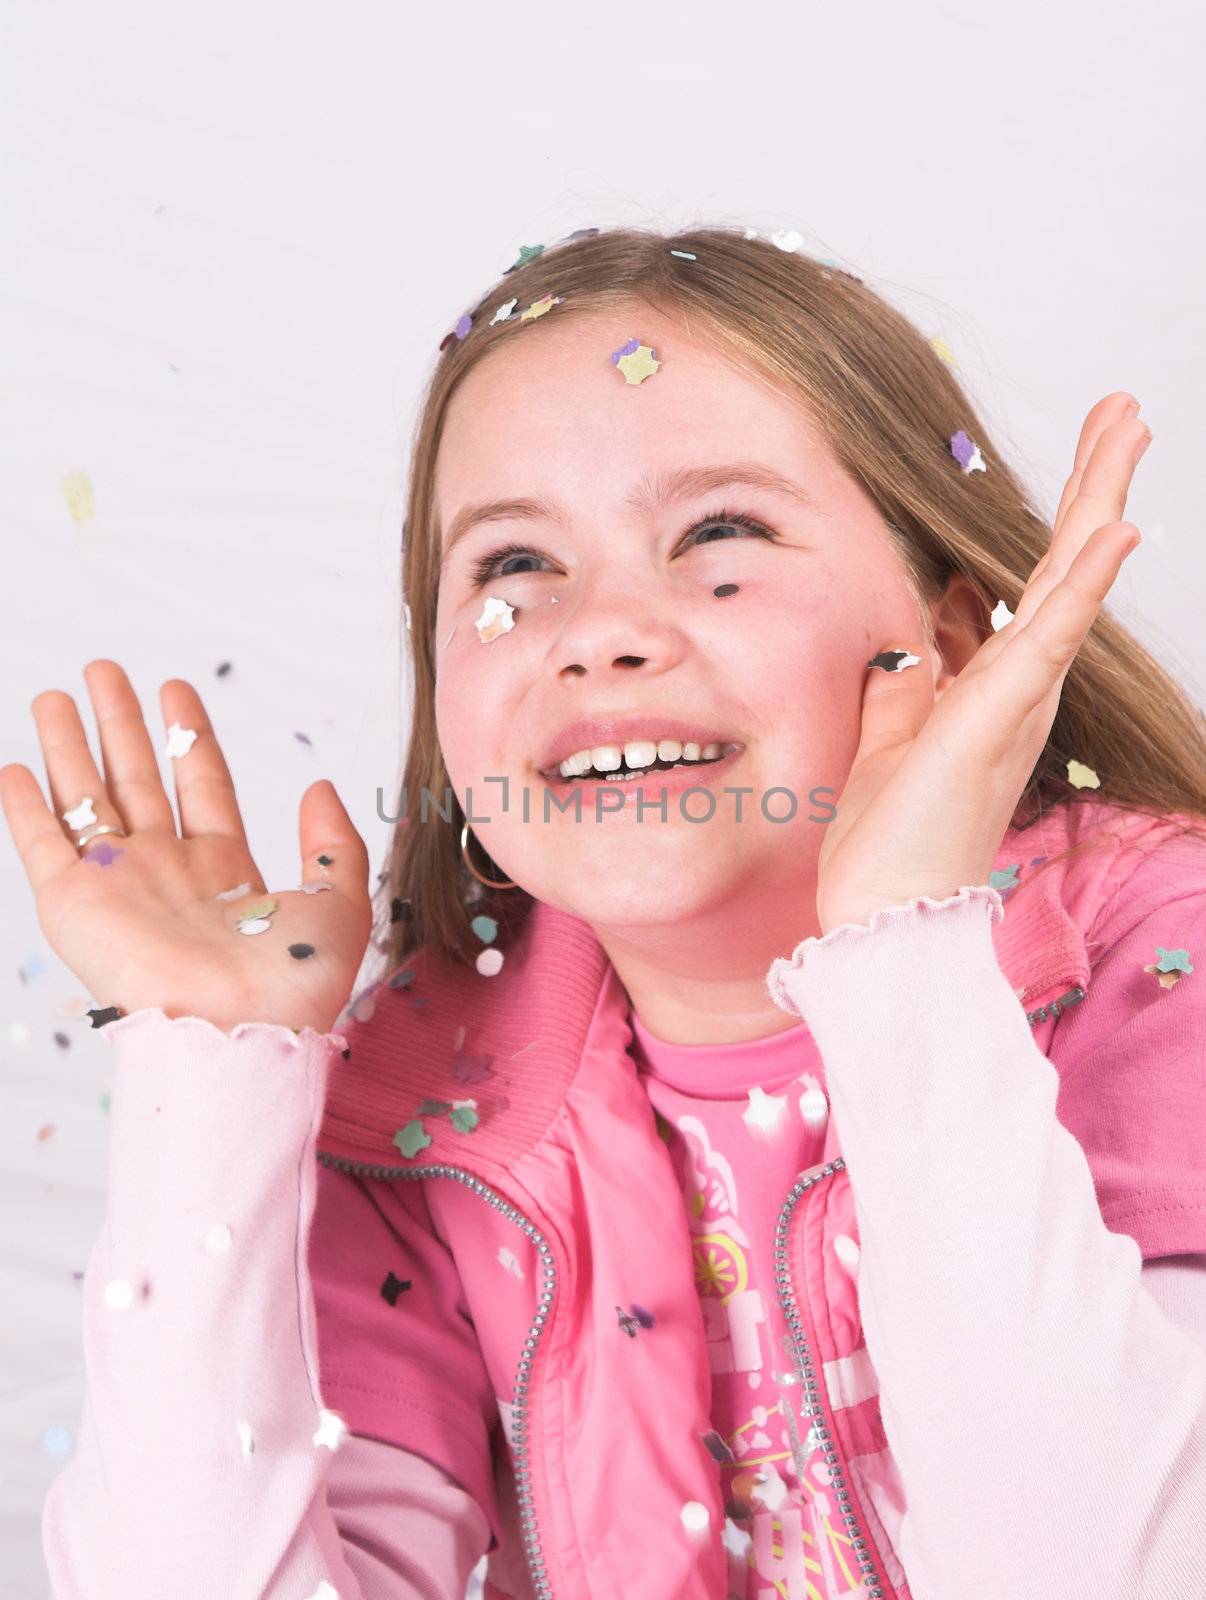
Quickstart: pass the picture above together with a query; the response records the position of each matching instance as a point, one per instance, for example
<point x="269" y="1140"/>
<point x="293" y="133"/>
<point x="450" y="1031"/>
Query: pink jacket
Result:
<point x="1016" y="1126"/>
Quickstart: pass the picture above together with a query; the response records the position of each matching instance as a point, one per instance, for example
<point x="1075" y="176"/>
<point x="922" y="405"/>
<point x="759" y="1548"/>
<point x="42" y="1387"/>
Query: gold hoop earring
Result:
<point x="491" y="883"/>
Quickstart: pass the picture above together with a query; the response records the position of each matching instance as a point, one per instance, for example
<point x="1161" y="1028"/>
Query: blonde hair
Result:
<point x="888" y="406"/>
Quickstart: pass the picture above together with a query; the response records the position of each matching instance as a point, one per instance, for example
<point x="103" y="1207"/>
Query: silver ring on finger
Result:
<point x="92" y="833"/>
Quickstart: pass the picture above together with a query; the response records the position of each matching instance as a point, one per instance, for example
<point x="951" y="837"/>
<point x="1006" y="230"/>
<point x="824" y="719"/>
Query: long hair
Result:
<point x="888" y="406"/>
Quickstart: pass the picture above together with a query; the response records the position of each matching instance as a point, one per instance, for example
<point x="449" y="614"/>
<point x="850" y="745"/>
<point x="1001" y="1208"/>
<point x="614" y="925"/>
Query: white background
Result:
<point x="231" y="245"/>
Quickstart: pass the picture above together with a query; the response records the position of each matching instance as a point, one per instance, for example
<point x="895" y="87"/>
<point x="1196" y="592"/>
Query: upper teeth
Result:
<point x="638" y="753"/>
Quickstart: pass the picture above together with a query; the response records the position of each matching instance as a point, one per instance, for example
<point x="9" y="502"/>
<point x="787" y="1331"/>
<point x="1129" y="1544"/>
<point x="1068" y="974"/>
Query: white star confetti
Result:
<point x="764" y="1110"/>
<point x="331" y="1429"/>
<point x="788" y="239"/>
<point x="1001" y="617"/>
<point x="504" y="311"/>
<point x="83" y="814"/>
<point x="506" y="1259"/>
<point x="497" y="617"/>
<point x="180" y="740"/>
<point x="695" y="1517"/>
<point x="119" y="1295"/>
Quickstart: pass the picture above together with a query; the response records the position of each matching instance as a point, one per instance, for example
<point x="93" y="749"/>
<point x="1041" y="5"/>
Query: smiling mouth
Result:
<point x="623" y="774"/>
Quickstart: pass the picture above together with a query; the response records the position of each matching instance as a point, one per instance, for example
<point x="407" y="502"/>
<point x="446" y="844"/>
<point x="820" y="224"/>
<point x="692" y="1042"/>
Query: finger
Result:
<point x="132" y="778"/>
<point x="43" y="847"/>
<point x="205" y="791"/>
<point x="1110" y="410"/>
<point x="331" y="849"/>
<point x="895" y="706"/>
<point x="70" y="769"/>
<point x="1100" y="501"/>
<point x="1036" y="658"/>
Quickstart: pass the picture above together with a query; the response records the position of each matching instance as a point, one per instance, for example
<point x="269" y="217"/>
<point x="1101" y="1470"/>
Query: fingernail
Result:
<point x="1131" y="409"/>
<point x="1142" y="446"/>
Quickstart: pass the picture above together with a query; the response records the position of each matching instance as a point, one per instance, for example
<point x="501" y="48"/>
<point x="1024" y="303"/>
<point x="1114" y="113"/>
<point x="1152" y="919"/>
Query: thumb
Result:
<point x="331" y="849"/>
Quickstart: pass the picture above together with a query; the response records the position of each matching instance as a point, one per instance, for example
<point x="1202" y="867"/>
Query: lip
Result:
<point x="697" y="774"/>
<point x="591" y="732"/>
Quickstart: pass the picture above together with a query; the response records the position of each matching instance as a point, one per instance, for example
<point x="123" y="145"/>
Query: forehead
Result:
<point x="550" y="405"/>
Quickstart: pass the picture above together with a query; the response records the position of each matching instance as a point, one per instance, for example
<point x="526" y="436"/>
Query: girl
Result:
<point x="767" y="1161"/>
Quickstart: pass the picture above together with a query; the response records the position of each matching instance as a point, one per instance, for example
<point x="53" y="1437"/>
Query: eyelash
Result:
<point x="484" y="569"/>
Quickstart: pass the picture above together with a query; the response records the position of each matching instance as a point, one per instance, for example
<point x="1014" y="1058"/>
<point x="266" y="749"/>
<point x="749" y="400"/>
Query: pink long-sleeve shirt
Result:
<point x="199" y="1298"/>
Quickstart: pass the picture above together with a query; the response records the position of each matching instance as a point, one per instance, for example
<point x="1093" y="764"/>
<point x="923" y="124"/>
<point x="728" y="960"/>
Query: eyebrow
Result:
<point x="651" y="492"/>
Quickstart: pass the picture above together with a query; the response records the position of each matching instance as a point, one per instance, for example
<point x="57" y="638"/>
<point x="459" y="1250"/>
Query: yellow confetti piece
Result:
<point x="639" y="365"/>
<point x="940" y="348"/>
<point x="538" y="308"/>
<point x="1082" y="777"/>
<point x="77" y="491"/>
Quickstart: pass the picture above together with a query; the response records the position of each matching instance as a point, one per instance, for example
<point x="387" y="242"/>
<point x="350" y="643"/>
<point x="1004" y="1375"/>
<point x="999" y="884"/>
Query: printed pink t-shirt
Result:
<point x="725" y="1111"/>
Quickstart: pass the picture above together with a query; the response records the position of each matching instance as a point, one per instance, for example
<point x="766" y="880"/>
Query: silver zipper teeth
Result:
<point x="519" y="1426"/>
<point x="812" y="1406"/>
<point x="787" y="1300"/>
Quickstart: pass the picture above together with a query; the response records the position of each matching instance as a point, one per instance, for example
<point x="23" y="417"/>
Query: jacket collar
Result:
<point x="513" y="1043"/>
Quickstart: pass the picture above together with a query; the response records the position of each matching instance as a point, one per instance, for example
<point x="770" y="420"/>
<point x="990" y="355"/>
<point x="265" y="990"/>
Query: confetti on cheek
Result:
<point x="894" y="660"/>
<point x="180" y="740"/>
<point x="1170" y="965"/>
<point x="82" y="816"/>
<point x="1082" y="777"/>
<point x="724" y="589"/>
<point x="77" y="491"/>
<point x="1001" y="617"/>
<point x="497" y="617"/>
<point x="102" y="853"/>
<point x="635" y="361"/>
<point x="967" y="453"/>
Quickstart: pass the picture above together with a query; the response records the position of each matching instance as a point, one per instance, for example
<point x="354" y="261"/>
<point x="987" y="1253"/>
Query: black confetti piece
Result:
<point x="299" y="952"/>
<point x="346" y="1054"/>
<point x="326" y="861"/>
<point x="102" y="1014"/>
<point x="223" y="669"/>
<point x="302" y="738"/>
<point x="393" y="1287"/>
<point x="725" y="588"/>
<point x="62" y="1040"/>
<point x="891" y="660"/>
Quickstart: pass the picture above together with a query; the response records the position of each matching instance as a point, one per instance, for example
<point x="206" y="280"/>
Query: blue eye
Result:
<point x="488" y="566"/>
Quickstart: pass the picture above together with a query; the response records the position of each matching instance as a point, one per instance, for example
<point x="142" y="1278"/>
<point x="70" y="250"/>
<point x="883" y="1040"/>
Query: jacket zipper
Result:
<point x="813" y="1406"/>
<point x="519" y="1425"/>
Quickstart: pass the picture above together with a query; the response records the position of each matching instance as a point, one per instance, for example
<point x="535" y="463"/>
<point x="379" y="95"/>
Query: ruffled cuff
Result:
<point x="201" y="1031"/>
<point x="922" y="933"/>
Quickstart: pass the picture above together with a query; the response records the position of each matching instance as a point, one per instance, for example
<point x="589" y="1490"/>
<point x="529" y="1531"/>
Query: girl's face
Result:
<point x="615" y="616"/>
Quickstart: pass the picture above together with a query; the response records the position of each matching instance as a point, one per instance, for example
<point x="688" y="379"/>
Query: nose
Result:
<point x="618" y="629"/>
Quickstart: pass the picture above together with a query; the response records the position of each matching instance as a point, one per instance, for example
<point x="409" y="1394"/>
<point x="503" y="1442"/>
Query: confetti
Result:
<point x="695" y="1517"/>
<point x="118" y="1294"/>
<point x="234" y="894"/>
<point x="102" y="853"/>
<point x="540" y="307"/>
<point x="246" y="1442"/>
<point x="764" y="1110"/>
<point x="402" y="980"/>
<point x="56" y="1441"/>
<point x="463" y="325"/>
<point x="411" y="1139"/>
<point x="331" y="1429"/>
<point x="940" y="348"/>
<point x="527" y="252"/>
<point x="684" y="255"/>
<point x="101" y="1015"/>
<point x="325" y="1591"/>
<point x="393" y="1287"/>
<point x="82" y="816"/>
<point x="301" y="952"/>
<point x="77" y="491"/>
<point x="18" y="1033"/>
<point x="725" y="588"/>
<point x="316" y="888"/>
<point x="325" y="861"/>
<point x="489" y="963"/>
<point x="634" y="1318"/>
<point x="62" y="1040"/>
<point x="302" y="738"/>
<point x="497" y="617"/>
<point x="485" y="928"/>
<point x="45" y="1132"/>
<point x="894" y="660"/>
<point x="504" y="311"/>
<point x="635" y="360"/>
<point x="222" y="669"/>
<point x="180" y="740"/>
<point x="1001" y="616"/>
<point x="30" y="968"/>
<point x="1082" y="777"/>
<point x="1170" y="966"/>
<point x="967" y="453"/>
<point x="1004" y="878"/>
<point x="250" y="925"/>
<point x="788" y="239"/>
<point x="507" y="1260"/>
<point x="469" y="1068"/>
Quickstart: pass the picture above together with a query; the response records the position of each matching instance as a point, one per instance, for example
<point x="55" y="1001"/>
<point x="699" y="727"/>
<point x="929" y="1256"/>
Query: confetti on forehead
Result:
<point x="635" y="360"/>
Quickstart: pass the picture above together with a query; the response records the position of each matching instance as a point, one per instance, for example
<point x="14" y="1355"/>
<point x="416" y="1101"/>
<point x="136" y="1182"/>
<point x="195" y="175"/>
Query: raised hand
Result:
<point x="144" y="921"/>
<point x="936" y="779"/>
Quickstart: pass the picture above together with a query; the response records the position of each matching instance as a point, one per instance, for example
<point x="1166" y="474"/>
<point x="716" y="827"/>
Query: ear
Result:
<point x="960" y="621"/>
